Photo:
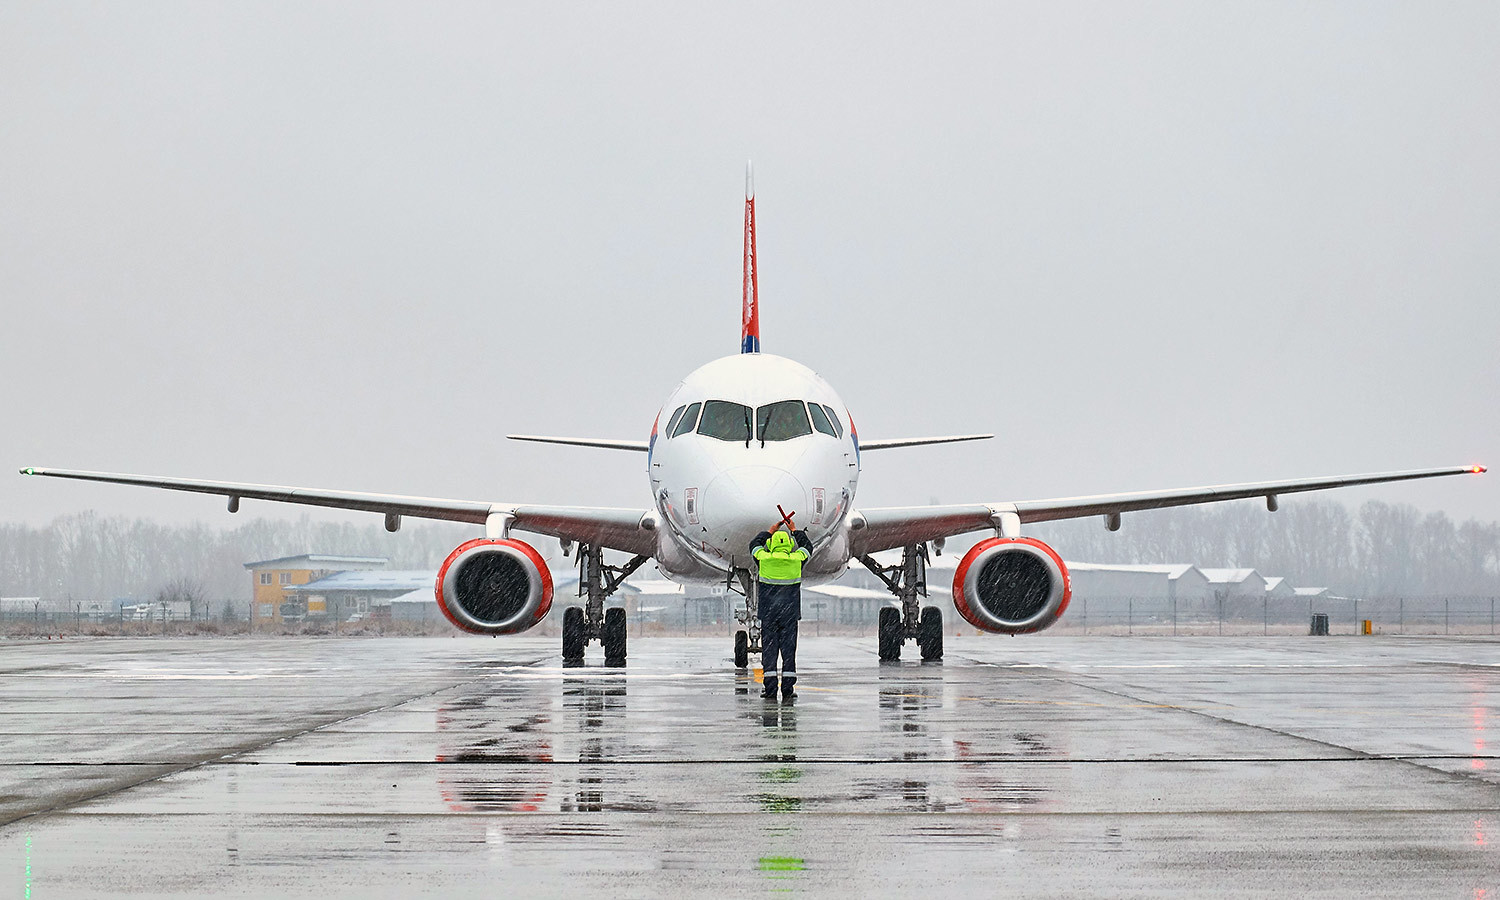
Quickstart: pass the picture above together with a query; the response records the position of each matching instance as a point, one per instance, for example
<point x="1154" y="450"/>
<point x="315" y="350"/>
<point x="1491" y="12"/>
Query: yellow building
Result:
<point x="270" y="579"/>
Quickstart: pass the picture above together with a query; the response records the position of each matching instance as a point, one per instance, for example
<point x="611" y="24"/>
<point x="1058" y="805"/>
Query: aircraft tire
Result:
<point x="614" y="636"/>
<point x="741" y="649"/>
<point x="572" y="636"/>
<point x="930" y="633"/>
<point x="889" y="633"/>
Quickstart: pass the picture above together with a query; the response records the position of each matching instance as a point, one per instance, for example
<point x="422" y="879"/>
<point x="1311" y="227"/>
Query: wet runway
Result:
<point x="1040" y="766"/>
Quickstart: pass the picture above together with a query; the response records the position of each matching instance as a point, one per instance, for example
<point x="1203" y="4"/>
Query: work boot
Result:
<point x="770" y="692"/>
<point x="788" y="682"/>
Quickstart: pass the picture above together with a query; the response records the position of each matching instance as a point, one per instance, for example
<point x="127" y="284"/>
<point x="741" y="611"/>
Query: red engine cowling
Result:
<point x="1011" y="586"/>
<point x="494" y="586"/>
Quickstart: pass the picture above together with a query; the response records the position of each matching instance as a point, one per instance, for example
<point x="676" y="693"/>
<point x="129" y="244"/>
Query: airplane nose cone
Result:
<point x="741" y="502"/>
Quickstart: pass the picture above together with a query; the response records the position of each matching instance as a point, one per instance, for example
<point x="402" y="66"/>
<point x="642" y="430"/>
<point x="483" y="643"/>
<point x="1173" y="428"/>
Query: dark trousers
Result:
<point x="778" y="637"/>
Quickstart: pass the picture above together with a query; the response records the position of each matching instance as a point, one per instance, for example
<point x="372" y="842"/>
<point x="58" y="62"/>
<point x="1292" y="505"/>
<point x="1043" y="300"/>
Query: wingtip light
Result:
<point x="1477" y="470"/>
<point x="28" y="471"/>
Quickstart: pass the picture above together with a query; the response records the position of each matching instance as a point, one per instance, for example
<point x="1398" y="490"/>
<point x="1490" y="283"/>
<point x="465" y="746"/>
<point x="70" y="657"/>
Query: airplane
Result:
<point x="752" y="441"/>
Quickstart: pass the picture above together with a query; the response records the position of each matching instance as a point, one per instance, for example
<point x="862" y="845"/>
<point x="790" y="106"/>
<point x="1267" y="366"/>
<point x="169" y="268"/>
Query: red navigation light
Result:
<point x="1477" y="469"/>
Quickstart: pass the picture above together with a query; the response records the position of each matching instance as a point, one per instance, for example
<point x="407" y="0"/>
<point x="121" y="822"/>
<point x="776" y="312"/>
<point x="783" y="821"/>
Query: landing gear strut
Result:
<point x="908" y="581"/>
<point x="747" y="639"/>
<point x="596" y="581"/>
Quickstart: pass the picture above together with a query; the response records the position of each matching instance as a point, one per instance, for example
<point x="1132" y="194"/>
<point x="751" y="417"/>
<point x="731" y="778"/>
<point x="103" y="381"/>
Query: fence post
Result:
<point x="1130" y="615"/>
<point x="1265" y="616"/>
<point x="1401" y="616"/>
<point x="1357" y="629"/>
<point x="1085" y="615"/>
<point x="1174" y="615"/>
<point x="1445" y="615"/>
<point x="1492" y="615"/>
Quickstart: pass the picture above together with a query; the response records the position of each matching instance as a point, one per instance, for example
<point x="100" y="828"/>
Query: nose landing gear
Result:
<point x="596" y="582"/>
<point x="908" y="581"/>
<point x="747" y="639"/>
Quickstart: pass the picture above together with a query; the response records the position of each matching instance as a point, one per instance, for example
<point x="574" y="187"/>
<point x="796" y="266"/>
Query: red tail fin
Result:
<point x="750" y="322"/>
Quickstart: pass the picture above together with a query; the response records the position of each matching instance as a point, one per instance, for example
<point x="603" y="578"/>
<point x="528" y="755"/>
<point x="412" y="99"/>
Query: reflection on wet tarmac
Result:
<point x="878" y="779"/>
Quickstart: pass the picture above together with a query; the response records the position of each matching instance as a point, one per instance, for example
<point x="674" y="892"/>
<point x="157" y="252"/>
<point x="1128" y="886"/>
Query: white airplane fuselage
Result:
<point x="716" y="484"/>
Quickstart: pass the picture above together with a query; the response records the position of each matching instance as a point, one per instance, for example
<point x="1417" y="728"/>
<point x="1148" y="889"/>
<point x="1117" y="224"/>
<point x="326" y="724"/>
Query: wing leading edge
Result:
<point x="882" y="529"/>
<point x="630" y="530"/>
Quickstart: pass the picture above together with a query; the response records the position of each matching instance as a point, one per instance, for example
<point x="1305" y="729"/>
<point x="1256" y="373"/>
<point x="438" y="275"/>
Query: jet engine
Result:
<point x="494" y="586"/>
<point x="1011" y="586"/>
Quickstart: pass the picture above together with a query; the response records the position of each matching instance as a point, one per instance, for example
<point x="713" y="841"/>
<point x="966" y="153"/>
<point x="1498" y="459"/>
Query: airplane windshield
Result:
<point x="820" y="420"/>
<point x="725" y="420"/>
<point x="833" y="417"/>
<point x="686" y="423"/>
<point x="781" y="421"/>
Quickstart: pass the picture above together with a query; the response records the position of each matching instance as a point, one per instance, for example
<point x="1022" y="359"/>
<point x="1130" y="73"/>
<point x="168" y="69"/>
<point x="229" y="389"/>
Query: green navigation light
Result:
<point x="28" y="471"/>
<point x="782" y="864"/>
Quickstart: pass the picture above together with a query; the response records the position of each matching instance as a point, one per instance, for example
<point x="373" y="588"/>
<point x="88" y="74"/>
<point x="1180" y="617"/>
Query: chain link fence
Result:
<point x="1287" y="615"/>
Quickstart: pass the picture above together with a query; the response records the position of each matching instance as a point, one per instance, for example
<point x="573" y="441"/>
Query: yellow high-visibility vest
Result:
<point x="780" y="566"/>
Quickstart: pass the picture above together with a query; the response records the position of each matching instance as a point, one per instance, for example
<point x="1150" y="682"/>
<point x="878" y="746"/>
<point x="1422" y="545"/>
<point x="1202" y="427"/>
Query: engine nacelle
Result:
<point x="1011" y="586"/>
<point x="494" y="586"/>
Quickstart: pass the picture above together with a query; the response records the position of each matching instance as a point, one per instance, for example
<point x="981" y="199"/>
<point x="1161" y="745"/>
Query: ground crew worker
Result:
<point x="779" y="607"/>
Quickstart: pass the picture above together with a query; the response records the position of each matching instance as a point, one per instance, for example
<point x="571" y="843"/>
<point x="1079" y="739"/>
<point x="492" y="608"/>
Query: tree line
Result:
<point x="92" y="557"/>
<point x="1379" y="550"/>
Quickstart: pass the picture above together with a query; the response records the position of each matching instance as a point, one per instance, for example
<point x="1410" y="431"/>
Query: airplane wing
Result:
<point x="630" y="530"/>
<point x="882" y="529"/>
<point x="606" y="443"/>
<point x="888" y="443"/>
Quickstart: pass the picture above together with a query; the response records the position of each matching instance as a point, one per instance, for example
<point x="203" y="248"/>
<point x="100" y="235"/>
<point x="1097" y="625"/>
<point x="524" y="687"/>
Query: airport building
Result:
<point x="273" y="579"/>
<point x="323" y="588"/>
<point x="356" y="595"/>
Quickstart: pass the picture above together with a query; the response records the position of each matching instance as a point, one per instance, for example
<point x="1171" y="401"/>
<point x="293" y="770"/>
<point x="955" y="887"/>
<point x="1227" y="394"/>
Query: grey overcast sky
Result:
<point x="353" y="245"/>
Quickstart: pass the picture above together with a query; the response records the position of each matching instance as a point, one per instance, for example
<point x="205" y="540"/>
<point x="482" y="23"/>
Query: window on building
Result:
<point x="286" y="577"/>
<point x="265" y="578"/>
<point x="726" y="421"/>
<point x="266" y="610"/>
<point x="688" y="420"/>
<point x="820" y="420"/>
<point x="781" y="421"/>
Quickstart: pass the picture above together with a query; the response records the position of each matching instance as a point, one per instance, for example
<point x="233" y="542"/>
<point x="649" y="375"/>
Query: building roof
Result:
<point x="1310" y="591"/>
<point x="846" y="592"/>
<point x="1274" y="581"/>
<point x="1173" y="571"/>
<point x="317" y="561"/>
<point x="420" y="595"/>
<point x="1227" y="576"/>
<point x="396" y="580"/>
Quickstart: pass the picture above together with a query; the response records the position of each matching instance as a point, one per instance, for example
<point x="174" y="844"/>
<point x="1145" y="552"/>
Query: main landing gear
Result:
<point x="596" y="581"/>
<point x="908" y="581"/>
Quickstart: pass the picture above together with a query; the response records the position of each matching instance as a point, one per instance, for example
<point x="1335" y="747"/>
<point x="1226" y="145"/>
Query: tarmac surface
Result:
<point x="1035" y="766"/>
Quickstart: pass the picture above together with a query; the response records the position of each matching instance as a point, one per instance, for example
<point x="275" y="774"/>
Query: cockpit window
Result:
<point x="675" y="416"/>
<point x="833" y="417"/>
<point x="688" y="420"/>
<point x="820" y="420"/>
<point x="725" y="420"/>
<point x="781" y="421"/>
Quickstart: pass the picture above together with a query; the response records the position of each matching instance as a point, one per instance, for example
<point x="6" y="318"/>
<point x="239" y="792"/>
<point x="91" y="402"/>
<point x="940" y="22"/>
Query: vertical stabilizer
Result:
<point x="750" y="323"/>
